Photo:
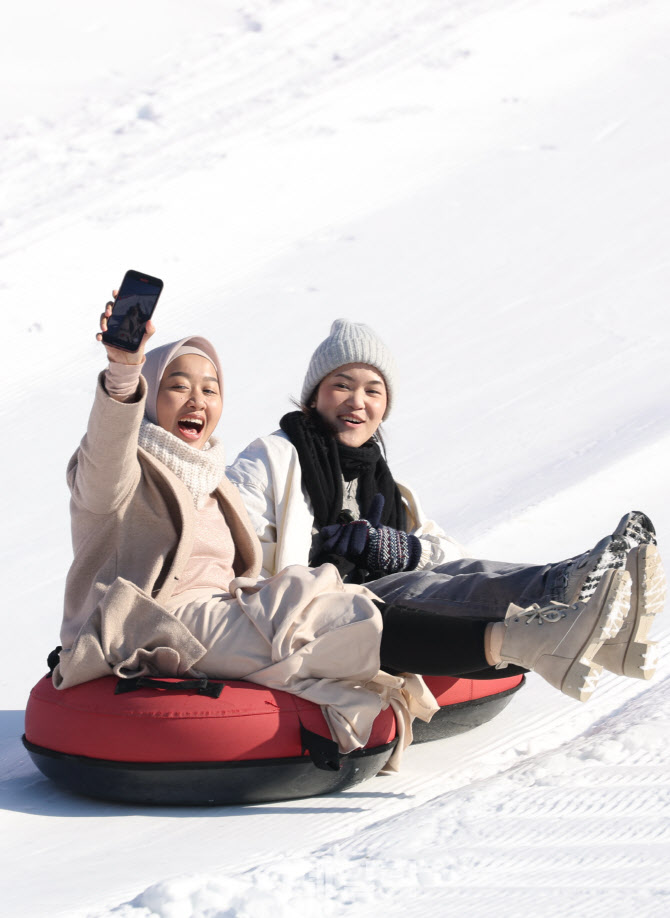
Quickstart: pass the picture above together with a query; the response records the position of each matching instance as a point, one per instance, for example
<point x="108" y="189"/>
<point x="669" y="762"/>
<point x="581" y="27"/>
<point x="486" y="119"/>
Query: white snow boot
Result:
<point x="629" y="653"/>
<point x="561" y="641"/>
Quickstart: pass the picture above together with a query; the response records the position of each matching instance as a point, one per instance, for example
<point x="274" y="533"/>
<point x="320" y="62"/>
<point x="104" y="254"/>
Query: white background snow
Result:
<point x="485" y="182"/>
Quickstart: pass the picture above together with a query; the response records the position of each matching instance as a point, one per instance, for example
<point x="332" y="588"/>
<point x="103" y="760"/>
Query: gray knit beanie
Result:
<point x="350" y="342"/>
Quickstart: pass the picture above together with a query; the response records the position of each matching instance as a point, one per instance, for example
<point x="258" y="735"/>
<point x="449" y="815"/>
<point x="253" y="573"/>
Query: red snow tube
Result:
<point x="192" y="742"/>
<point x="208" y="742"/>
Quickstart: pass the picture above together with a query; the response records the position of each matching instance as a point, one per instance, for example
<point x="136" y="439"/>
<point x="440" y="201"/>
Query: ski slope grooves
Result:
<point x="502" y="847"/>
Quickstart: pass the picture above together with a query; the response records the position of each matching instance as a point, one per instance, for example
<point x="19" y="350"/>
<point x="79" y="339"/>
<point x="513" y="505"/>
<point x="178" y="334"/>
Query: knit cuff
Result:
<point x="414" y="552"/>
<point x="122" y="380"/>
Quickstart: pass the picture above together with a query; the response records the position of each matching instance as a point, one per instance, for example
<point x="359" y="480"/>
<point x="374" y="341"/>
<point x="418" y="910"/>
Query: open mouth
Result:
<point x="349" y="420"/>
<point x="191" y="427"/>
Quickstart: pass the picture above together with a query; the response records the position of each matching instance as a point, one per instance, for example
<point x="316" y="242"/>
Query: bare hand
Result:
<point x="117" y="354"/>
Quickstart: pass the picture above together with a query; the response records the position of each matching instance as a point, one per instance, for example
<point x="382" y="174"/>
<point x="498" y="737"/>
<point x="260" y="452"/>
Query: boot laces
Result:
<point x="554" y="612"/>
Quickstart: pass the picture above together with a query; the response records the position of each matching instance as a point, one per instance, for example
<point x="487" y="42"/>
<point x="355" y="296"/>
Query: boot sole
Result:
<point x="582" y="675"/>
<point x="637" y="527"/>
<point x="637" y="657"/>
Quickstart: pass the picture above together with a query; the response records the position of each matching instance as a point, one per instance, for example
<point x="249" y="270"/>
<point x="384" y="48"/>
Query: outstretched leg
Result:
<point x="557" y="641"/>
<point x="596" y="610"/>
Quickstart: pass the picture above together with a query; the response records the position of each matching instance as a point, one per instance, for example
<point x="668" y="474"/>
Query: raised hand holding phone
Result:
<point x="126" y="322"/>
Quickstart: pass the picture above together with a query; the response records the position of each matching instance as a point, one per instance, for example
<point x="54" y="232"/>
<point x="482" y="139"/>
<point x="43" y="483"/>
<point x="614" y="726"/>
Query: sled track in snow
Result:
<point x="259" y="78"/>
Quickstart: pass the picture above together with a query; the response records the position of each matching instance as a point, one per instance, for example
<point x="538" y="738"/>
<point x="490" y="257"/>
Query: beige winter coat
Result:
<point x="132" y="518"/>
<point x="132" y="528"/>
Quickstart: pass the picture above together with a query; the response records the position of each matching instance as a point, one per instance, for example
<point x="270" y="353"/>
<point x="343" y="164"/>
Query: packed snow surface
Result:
<point x="485" y="182"/>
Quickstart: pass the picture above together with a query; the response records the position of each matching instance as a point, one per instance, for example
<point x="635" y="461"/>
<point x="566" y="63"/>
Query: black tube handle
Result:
<point x="203" y="686"/>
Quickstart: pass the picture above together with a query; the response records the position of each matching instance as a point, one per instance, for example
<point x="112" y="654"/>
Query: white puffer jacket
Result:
<point x="268" y="476"/>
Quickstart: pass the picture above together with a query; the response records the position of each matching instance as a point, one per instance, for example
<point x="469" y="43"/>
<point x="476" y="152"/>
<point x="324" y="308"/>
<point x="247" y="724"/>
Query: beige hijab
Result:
<point x="158" y="359"/>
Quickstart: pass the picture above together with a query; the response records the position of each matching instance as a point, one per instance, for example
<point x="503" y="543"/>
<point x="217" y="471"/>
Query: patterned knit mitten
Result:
<point x="391" y="550"/>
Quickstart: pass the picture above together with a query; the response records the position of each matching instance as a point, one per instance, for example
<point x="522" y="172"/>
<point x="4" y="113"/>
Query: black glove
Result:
<point x="381" y="549"/>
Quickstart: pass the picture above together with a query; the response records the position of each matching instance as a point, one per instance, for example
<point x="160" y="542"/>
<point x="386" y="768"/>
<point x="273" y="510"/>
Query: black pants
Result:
<point x="435" y="620"/>
<point x="420" y="641"/>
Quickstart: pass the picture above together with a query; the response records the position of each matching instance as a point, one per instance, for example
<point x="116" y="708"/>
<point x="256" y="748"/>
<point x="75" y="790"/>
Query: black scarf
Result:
<point x="324" y="462"/>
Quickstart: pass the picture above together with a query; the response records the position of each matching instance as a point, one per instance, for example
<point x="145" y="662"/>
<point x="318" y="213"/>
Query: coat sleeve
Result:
<point x="251" y="474"/>
<point x="268" y="477"/>
<point x="436" y="546"/>
<point x="105" y="469"/>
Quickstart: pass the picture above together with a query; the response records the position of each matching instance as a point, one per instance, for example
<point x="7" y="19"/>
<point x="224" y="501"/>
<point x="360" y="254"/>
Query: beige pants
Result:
<point x="302" y="631"/>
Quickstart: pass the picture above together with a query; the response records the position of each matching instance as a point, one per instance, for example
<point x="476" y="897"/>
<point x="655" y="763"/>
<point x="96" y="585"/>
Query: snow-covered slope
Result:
<point x="485" y="183"/>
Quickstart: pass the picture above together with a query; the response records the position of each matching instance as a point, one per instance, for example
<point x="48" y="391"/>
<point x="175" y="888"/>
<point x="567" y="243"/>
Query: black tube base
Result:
<point x="459" y="718"/>
<point x="205" y="783"/>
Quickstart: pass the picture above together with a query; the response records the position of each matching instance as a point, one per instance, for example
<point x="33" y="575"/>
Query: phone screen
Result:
<point x="133" y="308"/>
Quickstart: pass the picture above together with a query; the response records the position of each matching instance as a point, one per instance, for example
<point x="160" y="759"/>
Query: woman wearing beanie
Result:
<point x="325" y="465"/>
<point x="165" y="575"/>
<point x="319" y="491"/>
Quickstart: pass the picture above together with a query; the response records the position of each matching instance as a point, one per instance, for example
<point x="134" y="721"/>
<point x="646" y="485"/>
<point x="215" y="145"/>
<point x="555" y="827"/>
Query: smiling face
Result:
<point x="352" y="401"/>
<point x="189" y="400"/>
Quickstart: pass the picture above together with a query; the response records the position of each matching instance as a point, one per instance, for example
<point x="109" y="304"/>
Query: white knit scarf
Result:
<point x="201" y="470"/>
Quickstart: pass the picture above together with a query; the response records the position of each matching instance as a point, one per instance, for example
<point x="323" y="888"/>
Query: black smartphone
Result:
<point x="133" y="307"/>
